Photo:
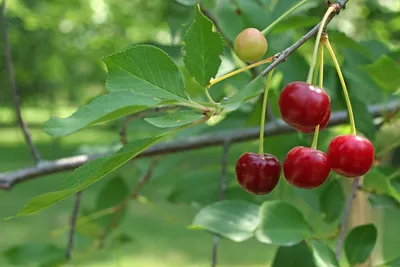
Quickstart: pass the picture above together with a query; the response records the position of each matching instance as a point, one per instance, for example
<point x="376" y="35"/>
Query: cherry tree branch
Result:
<point x="10" y="179"/>
<point x="14" y="89"/>
<point x="288" y="51"/>
<point x="74" y="217"/>
<point x="345" y="217"/>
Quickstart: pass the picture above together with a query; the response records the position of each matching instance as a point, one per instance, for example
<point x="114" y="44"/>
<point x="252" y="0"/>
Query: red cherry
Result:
<point x="303" y="105"/>
<point x="351" y="155"/>
<point x="258" y="174"/>
<point x="306" y="167"/>
<point x="312" y="130"/>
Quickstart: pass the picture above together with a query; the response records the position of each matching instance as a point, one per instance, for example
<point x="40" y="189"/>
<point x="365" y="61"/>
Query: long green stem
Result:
<point x="287" y="13"/>
<point x="263" y="111"/>
<point x="230" y="74"/>
<point x="317" y="66"/>
<point x="315" y="139"/>
<point x="321" y="84"/>
<point x="345" y="91"/>
<point x="209" y="97"/>
<point x="321" y="66"/>
<point x="317" y="42"/>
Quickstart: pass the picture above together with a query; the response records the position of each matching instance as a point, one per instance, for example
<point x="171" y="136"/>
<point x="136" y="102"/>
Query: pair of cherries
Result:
<point x="304" y="107"/>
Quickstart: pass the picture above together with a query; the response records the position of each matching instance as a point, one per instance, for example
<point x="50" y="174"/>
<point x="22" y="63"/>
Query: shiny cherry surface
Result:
<point x="306" y="167"/>
<point x="351" y="155"/>
<point x="258" y="174"/>
<point x="303" y="106"/>
<point x="311" y="130"/>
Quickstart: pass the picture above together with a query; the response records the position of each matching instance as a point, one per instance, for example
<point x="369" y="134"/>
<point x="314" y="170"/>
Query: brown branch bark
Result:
<point x="9" y="179"/>
<point x="74" y="218"/>
<point x="13" y="84"/>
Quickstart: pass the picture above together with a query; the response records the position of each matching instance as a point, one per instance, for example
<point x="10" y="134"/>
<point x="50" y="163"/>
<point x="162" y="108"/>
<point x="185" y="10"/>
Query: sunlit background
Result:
<point x="57" y="49"/>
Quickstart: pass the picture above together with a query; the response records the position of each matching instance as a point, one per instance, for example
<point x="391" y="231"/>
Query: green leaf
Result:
<point x="332" y="201"/>
<point x="297" y="255"/>
<point x="104" y="108"/>
<point x="385" y="72"/>
<point x="187" y="2"/>
<point x="253" y="14"/>
<point x="359" y="243"/>
<point x="281" y="224"/>
<point x="377" y="182"/>
<point x="88" y="174"/>
<point x="178" y="118"/>
<point x="296" y="22"/>
<point x="146" y="70"/>
<point x="230" y="23"/>
<point x="31" y="253"/>
<point x="203" y="48"/>
<point x="206" y="183"/>
<point x="251" y="90"/>
<point x="345" y="41"/>
<point x="392" y="263"/>
<point x="112" y="194"/>
<point x="122" y="239"/>
<point x="382" y="201"/>
<point x="364" y="119"/>
<point x="309" y="196"/>
<point x="323" y="254"/>
<point x="234" y="220"/>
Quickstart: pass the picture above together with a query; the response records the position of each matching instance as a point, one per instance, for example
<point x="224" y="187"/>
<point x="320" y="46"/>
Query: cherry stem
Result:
<point x="315" y="139"/>
<point x="230" y="74"/>
<point x="345" y="91"/>
<point x="316" y="46"/>
<point x="210" y="98"/>
<point x="287" y="13"/>
<point x="321" y="84"/>
<point x="263" y="111"/>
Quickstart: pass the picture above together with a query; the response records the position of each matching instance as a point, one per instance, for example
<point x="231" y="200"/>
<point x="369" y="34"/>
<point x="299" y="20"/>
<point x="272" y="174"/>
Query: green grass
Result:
<point x="160" y="235"/>
<point x="157" y="240"/>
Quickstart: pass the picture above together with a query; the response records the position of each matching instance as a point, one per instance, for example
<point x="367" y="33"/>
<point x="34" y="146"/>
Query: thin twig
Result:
<point x="288" y="51"/>
<point x="221" y="194"/>
<point x="14" y="89"/>
<point x="346" y="215"/>
<point x="74" y="217"/>
<point x="9" y="179"/>
<point x="130" y="118"/>
<point x="133" y="195"/>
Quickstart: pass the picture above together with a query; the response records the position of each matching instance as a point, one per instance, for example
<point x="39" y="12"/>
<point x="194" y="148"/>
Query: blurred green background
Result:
<point x="58" y="48"/>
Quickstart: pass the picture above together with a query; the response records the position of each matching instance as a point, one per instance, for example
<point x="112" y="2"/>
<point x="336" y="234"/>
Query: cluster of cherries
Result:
<point x="304" y="107"/>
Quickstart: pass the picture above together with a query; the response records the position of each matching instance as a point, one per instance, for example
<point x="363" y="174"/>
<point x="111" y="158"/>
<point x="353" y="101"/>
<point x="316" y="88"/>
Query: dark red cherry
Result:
<point x="312" y="130"/>
<point x="258" y="174"/>
<point x="305" y="167"/>
<point x="351" y="155"/>
<point x="303" y="105"/>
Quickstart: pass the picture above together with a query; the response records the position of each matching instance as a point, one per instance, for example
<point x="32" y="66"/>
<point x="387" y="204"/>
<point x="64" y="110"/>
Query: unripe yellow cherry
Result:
<point x="250" y="45"/>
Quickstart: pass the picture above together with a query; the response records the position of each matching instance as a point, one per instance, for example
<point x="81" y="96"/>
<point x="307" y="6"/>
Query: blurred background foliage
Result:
<point x="58" y="48"/>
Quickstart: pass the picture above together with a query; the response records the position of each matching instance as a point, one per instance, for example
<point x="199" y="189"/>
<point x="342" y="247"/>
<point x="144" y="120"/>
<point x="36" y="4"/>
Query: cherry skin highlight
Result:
<point x="306" y="167"/>
<point x="250" y="45"/>
<point x="351" y="155"/>
<point x="311" y="130"/>
<point x="258" y="174"/>
<point x="304" y="106"/>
